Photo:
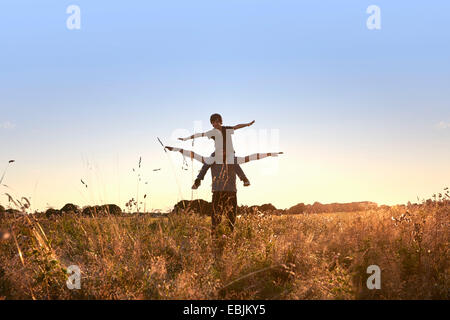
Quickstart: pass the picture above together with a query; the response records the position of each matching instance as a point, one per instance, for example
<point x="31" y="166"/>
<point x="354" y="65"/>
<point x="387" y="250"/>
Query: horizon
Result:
<point x="169" y="209"/>
<point x="361" y="115"/>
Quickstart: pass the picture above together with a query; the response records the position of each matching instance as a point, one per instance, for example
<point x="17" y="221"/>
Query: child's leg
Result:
<point x="203" y="170"/>
<point x="201" y="176"/>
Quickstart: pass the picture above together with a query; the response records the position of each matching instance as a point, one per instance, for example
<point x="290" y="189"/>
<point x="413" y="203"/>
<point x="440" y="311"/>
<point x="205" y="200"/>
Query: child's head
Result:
<point x="216" y="120"/>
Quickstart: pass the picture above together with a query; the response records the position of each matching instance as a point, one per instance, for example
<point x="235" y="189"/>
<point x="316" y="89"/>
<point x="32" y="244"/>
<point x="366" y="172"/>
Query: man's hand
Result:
<point x="250" y="123"/>
<point x="182" y="139"/>
<point x="196" y="184"/>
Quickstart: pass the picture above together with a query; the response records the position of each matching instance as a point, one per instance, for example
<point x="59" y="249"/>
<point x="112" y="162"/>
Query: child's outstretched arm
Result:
<point x="196" y="135"/>
<point x="243" y="125"/>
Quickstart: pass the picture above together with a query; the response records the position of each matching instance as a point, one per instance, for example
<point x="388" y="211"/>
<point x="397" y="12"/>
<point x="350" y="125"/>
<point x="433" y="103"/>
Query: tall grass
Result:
<point x="320" y="256"/>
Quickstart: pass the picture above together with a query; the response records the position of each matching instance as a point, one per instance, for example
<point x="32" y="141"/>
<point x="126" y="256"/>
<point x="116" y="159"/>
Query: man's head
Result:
<point x="216" y="120"/>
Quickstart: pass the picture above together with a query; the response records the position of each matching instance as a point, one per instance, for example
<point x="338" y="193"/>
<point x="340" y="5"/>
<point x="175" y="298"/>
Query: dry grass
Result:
<point x="321" y="256"/>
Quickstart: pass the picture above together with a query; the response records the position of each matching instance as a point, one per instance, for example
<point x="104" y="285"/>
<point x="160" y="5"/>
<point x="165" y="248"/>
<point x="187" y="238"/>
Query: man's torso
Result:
<point x="223" y="177"/>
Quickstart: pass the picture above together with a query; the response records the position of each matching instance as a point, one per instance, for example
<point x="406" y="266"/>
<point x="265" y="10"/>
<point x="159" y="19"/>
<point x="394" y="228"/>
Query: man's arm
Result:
<point x="240" y="173"/>
<point x="243" y="125"/>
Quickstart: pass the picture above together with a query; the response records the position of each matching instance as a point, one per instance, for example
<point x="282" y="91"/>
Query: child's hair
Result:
<point x="215" y="117"/>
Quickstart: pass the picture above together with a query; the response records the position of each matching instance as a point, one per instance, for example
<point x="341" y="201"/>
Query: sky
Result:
<point x="360" y="114"/>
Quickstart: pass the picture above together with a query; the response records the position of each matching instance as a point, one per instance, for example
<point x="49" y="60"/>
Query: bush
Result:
<point x="70" y="208"/>
<point x="104" y="210"/>
<point x="199" y="206"/>
<point x="52" y="212"/>
<point x="297" y="209"/>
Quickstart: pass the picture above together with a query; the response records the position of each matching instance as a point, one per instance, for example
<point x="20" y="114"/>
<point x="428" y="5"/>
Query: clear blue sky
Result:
<point x="362" y="115"/>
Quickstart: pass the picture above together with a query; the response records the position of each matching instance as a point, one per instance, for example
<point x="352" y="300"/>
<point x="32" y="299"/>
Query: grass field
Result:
<point x="316" y="256"/>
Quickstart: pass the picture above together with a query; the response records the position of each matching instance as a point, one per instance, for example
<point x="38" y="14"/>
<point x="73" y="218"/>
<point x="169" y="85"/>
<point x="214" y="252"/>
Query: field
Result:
<point x="308" y="256"/>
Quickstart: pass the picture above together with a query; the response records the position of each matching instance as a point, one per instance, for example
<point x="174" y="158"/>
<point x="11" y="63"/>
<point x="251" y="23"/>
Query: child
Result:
<point x="222" y="138"/>
<point x="225" y="145"/>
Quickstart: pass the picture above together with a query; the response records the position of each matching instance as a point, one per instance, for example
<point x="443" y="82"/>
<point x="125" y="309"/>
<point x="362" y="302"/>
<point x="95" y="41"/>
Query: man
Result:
<point x="224" y="201"/>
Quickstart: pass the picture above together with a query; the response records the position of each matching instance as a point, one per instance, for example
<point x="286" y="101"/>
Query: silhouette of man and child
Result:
<point x="224" y="167"/>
